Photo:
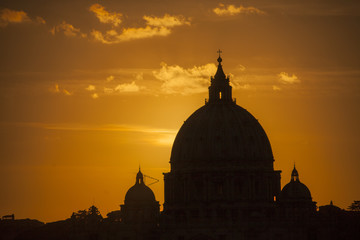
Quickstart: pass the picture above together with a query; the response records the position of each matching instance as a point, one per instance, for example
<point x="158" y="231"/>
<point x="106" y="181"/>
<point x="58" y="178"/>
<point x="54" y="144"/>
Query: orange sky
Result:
<point x="91" y="89"/>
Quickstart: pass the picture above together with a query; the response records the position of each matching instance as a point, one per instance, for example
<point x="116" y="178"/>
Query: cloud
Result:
<point x="245" y="86"/>
<point x="155" y="26"/>
<point x="276" y="88"/>
<point x="123" y="88"/>
<point x="93" y="127"/>
<point x="94" y="95"/>
<point x="66" y="92"/>
<point x="57" y="89"/>
<point x="40" y="20"/>
<point x="139" y="76"/>
<point x="105" y="16"/>
<point x="12" y="16"/>
<point x="231" y="10"/>
<point x="156" y="136"/>
<point x="90" y="88"/>
<point x="164" y="139"/>
<point x="241" y="68"/>
<point x="127" y="87"/>
<point x="68" y="30"/>
<point x="108" y="90"/>
<point x="178" y="80"/>
<point x="150" y="135"/>
<point x="285" y="78"/>
<point x="127" y="34"/>
<point x="147" y="32"/>
<point x="52" y="30"/>
<point x="166" y="21"/>
<point x="110" y="78"/>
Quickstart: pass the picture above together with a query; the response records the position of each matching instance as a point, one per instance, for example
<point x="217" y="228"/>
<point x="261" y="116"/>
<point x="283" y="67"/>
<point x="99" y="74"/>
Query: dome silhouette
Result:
<point x="139" y="193"/>
<point x="221" y="167"/>
<point x="225" y="132"/>
<point x="295" y="190"/>
<point x="221" y="133"/>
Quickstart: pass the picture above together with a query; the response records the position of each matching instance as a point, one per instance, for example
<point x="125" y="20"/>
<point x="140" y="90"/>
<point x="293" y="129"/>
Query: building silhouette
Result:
<point x="222" y="183"/>
<point x="221" y="169"/>
<point x="140" y="206"/>
<point x="221" y="186"/>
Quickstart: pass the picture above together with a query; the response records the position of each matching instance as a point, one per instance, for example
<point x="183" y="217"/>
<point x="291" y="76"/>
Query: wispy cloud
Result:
<point x="66" y="92"/>
<point x="165" y="139"/>
<point x="155" y="26"/>
<point x="110" y="78"/>
<point x="241" y="68"/>
<point x="90" y="88"/>
<point x="108" y="127"/>
<point x="127" y="87"/>
<point x="56" y="89"/>
<point x="68" y="30"/>
<point x="105" y="16"/>
<point x="12" y="16"/>
<point x="123" y="88"/>
<point x="156" y="136"/>
<point x="127" y="34"/>
<point x="276" y="88"/>
<point x="150" y="135"/>
<point x="287" y="79"/>
<point x="245" y="86"/>
<point x="40" y="20"/>
<point x="166" y="21"/>
<point x="178" y="80"/>
<point x="139" y="76"/>
<point x="231" y="10"/>
<point x="95" y="95"/>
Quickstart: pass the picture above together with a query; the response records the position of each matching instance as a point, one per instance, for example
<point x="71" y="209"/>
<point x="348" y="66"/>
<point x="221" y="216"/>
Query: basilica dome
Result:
<point x="139" y="193"/>
<point x="295" y="190"/>
<point x="221" y="134"/>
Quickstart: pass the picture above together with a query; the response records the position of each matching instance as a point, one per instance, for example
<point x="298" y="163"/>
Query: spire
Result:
<point x="294" y="174"/>
<point x="220" y="89"/>
<point x="139" y="177"/>
<point x="219" y="58"/>
<point x="220" y="72"/>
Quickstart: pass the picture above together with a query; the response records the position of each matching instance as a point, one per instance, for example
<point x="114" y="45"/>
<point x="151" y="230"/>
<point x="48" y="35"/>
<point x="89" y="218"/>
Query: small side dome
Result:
<point x="139" y="193"/>
<point x="330" y="210"/>
<point x="295" y="190"/>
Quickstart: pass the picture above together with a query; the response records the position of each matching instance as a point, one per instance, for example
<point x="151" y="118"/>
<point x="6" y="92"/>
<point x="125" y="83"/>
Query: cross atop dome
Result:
<point x="219" y="58"/>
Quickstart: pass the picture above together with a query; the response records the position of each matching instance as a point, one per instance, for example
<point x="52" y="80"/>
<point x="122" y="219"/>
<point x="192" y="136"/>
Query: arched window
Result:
<point x="220" y="95"/>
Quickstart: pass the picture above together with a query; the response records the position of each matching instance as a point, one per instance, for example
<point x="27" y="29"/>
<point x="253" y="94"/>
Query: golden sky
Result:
<point x="91" y="89"/>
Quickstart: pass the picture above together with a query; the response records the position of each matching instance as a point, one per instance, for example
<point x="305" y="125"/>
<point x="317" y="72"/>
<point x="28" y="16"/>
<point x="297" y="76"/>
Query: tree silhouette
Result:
<point x="92" y="214"/>
<point x="94" y="211"/>
<point x="355" y="206"/>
